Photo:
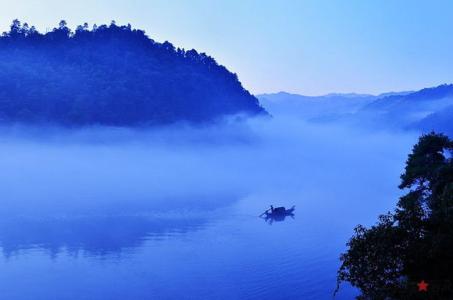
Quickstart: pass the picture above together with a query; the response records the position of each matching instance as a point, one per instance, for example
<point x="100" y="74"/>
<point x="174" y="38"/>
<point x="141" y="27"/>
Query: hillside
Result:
<point x="403" y="110"/>
<point x="111" y="75"/>
<point x="441" y="121"/>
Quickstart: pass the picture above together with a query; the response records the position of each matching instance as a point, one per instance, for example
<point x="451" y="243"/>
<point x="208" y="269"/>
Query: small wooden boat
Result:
<point x="278" y="213"/>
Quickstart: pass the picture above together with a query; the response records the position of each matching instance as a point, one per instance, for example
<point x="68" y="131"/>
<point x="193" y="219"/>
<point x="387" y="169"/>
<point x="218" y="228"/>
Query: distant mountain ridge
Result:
<point x="312" y="107"/>
<point x="111" y="75"/>
<point x="427" y="109"/>
<point x="411" y="109"/>
<point x="427" y="94"/>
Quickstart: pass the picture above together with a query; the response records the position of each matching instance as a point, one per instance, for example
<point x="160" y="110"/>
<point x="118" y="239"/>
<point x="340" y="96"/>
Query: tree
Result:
<point x="62" y="25"/>
<point x="62" y="32"/>
<point x="414" y="242"/>
<point x="15" y="29"/>
<point x="25" y="29"/>
<point x="79" y="29"/>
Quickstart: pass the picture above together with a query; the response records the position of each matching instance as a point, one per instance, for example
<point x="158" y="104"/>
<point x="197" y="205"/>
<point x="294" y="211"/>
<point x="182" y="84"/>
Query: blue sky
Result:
<point x="309" y="47"/>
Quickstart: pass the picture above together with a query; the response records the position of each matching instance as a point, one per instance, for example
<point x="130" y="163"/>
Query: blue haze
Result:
<point x="172" y="213"/>
<point x="309" y="47"/>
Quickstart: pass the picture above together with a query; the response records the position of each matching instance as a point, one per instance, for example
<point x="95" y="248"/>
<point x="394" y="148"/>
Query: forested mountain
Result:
<point x="111" y="75"/>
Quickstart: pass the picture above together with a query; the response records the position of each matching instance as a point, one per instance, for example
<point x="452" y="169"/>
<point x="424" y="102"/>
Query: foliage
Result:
<point x="415" y="242"/>
<point x="111" y="75"/>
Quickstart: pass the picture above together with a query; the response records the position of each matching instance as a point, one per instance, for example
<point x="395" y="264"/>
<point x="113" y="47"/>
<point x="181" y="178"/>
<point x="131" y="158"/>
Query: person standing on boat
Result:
<point x="272" y="209"/>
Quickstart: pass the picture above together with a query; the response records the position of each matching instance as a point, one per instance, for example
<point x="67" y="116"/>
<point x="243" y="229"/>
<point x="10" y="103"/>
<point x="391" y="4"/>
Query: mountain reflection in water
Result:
<point x="92" y="235"/>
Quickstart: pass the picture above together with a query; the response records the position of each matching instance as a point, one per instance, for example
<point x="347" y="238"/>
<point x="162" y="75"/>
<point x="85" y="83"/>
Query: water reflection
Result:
<point x="91" y="235"/>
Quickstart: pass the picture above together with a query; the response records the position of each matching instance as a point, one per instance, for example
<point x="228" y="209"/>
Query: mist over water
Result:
<point x="171" y="213"/>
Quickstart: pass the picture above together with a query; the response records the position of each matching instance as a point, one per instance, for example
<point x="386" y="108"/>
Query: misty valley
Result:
<point x="132" y="169"/>
<point x="128" y="213"/>
<point x="144" y="209"/>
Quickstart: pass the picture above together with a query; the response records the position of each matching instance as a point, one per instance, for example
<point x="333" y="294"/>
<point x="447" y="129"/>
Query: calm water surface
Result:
<point x="221" y="254"/>
<point x="81" y="222"/>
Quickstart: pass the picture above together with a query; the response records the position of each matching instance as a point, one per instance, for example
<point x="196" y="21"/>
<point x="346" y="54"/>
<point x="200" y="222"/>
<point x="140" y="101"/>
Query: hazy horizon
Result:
<point x="146" y="210"/>
<point x="302" y="47"/>
<point x="134" y="169"/>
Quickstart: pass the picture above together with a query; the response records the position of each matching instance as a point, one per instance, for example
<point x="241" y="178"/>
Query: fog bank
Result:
<point x="108" y="170"/>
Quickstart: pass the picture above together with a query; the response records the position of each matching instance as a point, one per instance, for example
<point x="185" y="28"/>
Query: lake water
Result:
<point x="116" y="215"/>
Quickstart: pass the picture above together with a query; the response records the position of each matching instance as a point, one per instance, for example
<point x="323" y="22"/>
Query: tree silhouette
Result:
<point x="416" y="241"/>
<point x="111" y="75"/>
